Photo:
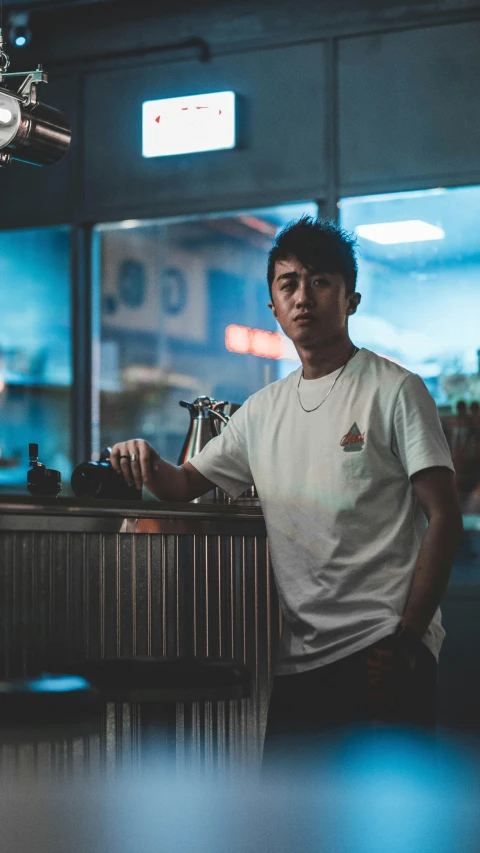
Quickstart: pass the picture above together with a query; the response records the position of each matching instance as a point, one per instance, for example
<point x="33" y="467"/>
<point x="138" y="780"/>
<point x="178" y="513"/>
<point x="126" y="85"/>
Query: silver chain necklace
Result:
<point x="355" y="350"/>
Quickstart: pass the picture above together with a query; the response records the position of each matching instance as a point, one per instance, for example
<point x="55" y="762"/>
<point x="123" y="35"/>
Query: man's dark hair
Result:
<point x="320" y="245"/>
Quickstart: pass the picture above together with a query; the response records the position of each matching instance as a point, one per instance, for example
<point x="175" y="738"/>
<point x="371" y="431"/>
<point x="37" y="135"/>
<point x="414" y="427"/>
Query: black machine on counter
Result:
<point x="42" y="481"/>
<point x="100" y="480"/>
<point x="29" y="131"/>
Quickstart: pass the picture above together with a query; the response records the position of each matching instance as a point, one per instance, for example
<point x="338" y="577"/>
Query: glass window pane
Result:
<point x="180" y="301"/>
<point x="35" y="352"/>
<point x="419" y="267"/>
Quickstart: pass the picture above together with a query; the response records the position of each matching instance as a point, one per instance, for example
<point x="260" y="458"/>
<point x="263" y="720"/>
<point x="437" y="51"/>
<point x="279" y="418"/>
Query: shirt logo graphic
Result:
<point x="353" y="439"/>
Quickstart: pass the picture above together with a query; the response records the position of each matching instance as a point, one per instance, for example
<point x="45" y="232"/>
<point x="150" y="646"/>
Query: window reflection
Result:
<point x="169" y="291"/>
<point x="35" y="352"/>
<point x="418" y="274"/>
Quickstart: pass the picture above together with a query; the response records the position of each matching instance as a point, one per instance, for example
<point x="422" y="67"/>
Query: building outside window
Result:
<point x="35" y="352"/>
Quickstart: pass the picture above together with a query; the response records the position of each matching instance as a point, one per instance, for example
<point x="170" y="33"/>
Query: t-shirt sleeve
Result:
<point x="224" y="460"/>
<point x="418" y="438"/>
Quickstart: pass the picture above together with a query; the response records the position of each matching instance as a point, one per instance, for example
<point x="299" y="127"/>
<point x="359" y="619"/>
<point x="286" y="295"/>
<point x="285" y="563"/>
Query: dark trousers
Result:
<point x="371" y="687"/>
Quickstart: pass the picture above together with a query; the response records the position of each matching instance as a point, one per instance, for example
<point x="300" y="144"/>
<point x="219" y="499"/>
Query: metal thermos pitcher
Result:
<point x="206" y="419"/>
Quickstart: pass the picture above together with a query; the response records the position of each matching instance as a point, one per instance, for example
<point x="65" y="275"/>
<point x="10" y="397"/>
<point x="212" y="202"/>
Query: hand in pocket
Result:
<point x="388" y="674"/>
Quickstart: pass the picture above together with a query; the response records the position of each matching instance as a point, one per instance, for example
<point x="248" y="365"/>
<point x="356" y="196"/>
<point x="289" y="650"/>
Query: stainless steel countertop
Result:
<point x="26" y="513"/>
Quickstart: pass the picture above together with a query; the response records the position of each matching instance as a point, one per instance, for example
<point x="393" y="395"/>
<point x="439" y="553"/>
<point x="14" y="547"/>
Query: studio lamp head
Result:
<point x="29" y="131"/>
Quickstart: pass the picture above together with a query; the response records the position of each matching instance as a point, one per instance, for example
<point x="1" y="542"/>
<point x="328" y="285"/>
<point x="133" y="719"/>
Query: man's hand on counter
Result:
<point x="141" y="465"/>
<point x="137" y="461"/>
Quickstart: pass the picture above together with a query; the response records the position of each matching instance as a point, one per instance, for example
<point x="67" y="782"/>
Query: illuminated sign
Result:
<point x="244" y="340"/>
<point x="188" y="124"/>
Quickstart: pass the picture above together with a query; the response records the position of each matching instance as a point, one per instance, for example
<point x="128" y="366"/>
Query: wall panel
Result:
<point x="408" y="107"/>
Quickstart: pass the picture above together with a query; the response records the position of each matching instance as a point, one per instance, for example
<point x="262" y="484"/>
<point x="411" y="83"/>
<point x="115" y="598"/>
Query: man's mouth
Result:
<point x="304" y="318"/>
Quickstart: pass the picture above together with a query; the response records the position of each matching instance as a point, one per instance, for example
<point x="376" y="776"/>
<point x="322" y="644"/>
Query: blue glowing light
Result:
<point x="57" y="684"/>
<point x="20" y="41"/>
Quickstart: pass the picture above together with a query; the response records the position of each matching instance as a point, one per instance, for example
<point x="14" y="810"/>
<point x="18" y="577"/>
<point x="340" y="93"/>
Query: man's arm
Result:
<point x="167" y="482"/>
<point x="435" y="490"/>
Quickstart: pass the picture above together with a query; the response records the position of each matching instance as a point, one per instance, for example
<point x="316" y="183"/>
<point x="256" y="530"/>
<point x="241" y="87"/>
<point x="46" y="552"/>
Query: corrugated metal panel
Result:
<point x="71" y="595"/>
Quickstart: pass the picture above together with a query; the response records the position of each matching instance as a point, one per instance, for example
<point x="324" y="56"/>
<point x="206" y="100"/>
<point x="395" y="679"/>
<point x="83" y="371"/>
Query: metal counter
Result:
<point x="86" y="579"/>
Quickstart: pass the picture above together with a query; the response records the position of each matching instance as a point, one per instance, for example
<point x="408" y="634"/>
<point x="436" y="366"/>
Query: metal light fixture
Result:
<point x="29" y="131"/>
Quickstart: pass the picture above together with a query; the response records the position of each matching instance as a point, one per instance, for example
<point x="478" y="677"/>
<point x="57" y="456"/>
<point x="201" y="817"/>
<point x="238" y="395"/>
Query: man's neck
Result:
<point x="322" y="360"/>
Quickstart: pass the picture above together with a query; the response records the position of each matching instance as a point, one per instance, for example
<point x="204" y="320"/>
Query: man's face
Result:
<point x="311" y="308"/>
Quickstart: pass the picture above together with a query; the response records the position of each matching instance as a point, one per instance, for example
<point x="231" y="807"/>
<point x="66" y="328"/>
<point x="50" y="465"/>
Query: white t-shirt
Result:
<point x="342" y="521"/>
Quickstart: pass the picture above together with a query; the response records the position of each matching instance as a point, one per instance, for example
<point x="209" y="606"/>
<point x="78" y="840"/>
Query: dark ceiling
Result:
<point x="68" y="31"/>
<point x="31" y="4"/>
<point x="104" y="9"/>
<point x="155" y="5"/>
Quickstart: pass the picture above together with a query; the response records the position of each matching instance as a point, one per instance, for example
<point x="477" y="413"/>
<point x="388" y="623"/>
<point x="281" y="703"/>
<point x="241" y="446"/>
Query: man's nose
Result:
<point x="304" y="295"/>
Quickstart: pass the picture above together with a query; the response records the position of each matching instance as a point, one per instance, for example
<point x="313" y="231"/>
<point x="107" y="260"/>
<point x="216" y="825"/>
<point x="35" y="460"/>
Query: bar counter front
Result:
<point x="88" y="579"/>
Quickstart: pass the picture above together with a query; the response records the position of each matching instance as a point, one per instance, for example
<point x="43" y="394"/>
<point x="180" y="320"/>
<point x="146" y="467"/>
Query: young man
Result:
<point x="349" y="461"/>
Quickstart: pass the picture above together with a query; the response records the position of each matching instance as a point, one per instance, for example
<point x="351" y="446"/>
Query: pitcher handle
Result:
<point x="220" y="415"/>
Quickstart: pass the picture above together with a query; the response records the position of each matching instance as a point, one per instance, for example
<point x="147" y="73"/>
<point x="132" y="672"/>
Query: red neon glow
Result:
<point x="237" y="339"/>
<point x="266" y="344"/>
<point x="242" y="339"/>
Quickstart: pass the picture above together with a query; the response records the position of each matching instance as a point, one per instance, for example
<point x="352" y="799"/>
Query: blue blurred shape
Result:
<point x="404" y="791"/>
<point x="56" y="684"/>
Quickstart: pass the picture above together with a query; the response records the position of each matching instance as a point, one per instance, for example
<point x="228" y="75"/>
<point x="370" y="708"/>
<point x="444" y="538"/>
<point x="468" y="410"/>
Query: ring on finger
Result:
<point x="133" y="457"/>
<point x="124" y="457"/>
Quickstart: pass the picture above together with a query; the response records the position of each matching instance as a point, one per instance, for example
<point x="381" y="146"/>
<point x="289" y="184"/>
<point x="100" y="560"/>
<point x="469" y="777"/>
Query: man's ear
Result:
<point x="272" y="307"/>
<point x="353" y="302"/>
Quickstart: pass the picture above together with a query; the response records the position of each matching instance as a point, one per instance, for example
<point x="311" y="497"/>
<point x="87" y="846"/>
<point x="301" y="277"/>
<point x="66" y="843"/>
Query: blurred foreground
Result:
<point x="393" y="791"/>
